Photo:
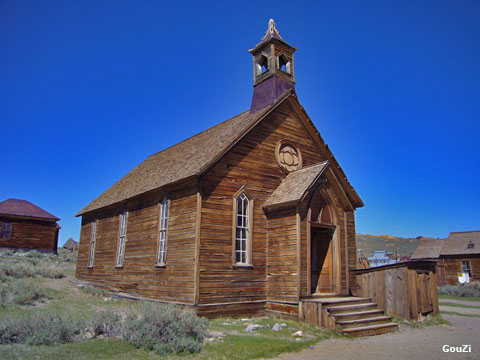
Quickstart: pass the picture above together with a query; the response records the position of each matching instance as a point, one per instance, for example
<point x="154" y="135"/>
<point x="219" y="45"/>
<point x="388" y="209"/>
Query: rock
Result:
<point x="293" y="329"/>
<point x="216" y="334"/>
<point x="254" y="327"/>
<point x="299" y="333"/>
<point x="80" y="286"/>
<point x="268" y="326"/>
<point x="226" y="324"/>
<point x="298" y="339"/>
<point x="283" y="325"/>
<point x="105" y="299"/>
<point x="312" y="347"/>
<point x="245" y="320"/>
<point x="277" y="327"/>
<point x="88" y="335"/>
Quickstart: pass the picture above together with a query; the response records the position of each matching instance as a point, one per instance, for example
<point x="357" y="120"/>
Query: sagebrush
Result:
<point x="165" y="329"/>
<point x="21" y="292"/>
<point x="461" y="290"/>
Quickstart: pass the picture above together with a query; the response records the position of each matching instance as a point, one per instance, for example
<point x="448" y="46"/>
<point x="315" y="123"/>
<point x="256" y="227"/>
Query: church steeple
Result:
<point x="273" y="68"/>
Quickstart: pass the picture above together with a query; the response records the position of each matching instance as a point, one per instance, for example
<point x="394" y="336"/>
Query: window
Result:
<point x="466" y="268"/>
<point x="261" y="65"/>
<point x="162" y="233"/>
<point x="283" y="64"/>
<point x="92" y="243"/>
<point x="121" y="240"/>
<point x="6" y="230"/>
<point x="242" y="229"/>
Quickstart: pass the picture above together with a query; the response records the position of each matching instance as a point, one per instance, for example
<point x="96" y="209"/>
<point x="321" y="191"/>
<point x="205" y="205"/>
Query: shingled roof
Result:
<point x="295" y="185"/>
<point x="183" y="160"/>
<point x="24" y="208"/>
<point x="462" y="243"/>
<point x="428" y="249"/>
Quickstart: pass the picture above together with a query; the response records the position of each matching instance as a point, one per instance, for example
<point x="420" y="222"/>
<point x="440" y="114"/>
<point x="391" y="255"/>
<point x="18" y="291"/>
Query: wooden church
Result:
<point x="248" y="217"/>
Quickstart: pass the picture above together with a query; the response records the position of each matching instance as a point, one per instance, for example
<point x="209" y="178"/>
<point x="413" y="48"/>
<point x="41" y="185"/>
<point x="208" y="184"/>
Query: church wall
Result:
<point x="139" y="276"/>
<point x="252" y="164"/>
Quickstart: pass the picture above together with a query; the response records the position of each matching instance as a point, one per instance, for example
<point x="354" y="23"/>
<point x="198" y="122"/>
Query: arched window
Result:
<point x="162" y="233"/>
<point x="242" y="233"/>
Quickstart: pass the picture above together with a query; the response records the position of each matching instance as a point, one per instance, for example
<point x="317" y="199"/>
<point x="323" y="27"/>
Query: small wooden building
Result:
<point x="26" y="226"/>
<point x="459" y="253"/>
<point x="70" y="245"/>
<point x="249" y="216"/>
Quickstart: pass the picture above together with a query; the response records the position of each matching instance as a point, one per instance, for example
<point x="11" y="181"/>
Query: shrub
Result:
<point x="461" y="290"/>
<point x="165" y="329"/>
<point x="50" y="271"/>
<point x="94" y="291"/>
<point x="22" y="270"/>
<point x="41" y="328"/>
<point x="106" y="323"/>
<point x="21" y="292"/>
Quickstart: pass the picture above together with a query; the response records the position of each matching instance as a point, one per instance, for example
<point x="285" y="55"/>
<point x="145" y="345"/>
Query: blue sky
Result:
<point x="89" y="89"/>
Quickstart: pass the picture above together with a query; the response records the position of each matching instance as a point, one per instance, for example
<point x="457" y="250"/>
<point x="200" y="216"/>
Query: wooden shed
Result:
<point x="457" y="254"/>
<point x="26" y="226"/>
<point x="247" y="217"/>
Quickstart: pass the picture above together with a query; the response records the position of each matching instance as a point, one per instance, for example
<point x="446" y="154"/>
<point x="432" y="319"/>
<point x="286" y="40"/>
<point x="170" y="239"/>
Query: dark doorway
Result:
<point x="321" y="260"/>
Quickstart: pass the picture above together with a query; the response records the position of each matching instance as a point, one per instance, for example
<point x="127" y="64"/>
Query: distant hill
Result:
<point x="403" y="246"/>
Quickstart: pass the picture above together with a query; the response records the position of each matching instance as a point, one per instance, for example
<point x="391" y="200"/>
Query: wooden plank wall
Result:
<point x="250" y="163"/>
<point x="30" y="234"/>
<point x="407" y="290"/>
<point x="453" y="265"/>
<point x="175" y="281"/>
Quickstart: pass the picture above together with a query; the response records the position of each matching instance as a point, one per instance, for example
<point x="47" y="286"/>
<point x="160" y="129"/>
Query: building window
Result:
<point x="466" y="268"/>
<point x="92" y="243"/>
<point x="121" y="240"/>
<point x="162" y="233"/>
<point x="6" y="230"/>
<point x="242" y="229"/>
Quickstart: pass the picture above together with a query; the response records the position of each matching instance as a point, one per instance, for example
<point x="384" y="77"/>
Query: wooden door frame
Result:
<point x="335" y="252"/>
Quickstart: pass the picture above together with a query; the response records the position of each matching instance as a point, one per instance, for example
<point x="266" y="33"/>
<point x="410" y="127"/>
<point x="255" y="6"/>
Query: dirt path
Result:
<point x="407" y="343"/>
<point x="460" y="310"/>
<point x="460" y="302"/>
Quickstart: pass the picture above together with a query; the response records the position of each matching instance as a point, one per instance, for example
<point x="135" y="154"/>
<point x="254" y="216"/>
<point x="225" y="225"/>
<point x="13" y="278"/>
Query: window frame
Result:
<point x="468" y="267"/>
<point x="122" y="239"/>
<point x="249" y="240"/>
<point x="3" y="231"/>
<point x="93" y="241"/>
<point x="165" y="203"/>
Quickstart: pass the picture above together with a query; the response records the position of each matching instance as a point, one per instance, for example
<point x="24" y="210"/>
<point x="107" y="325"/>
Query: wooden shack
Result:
<point x="457" y="254"/>
<point x="26" y="226"/>
<point x="247" y="217"/>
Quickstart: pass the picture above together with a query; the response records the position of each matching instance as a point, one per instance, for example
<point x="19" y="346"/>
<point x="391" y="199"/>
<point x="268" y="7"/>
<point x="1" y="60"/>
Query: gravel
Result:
<point x="407" y="343"/>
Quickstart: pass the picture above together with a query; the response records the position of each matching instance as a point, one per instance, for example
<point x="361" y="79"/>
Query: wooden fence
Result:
<point x="407" y="289"/>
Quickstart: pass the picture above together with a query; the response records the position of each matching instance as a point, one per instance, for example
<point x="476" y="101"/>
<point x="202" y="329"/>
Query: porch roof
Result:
<point x="295" y="185"/>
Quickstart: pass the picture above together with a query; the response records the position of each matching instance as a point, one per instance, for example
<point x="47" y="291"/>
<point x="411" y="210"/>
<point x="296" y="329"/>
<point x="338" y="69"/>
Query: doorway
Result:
<point x="321" y="261"/>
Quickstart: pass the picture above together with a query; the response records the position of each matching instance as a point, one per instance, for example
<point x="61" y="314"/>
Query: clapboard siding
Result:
<point x="175" y="281"/>
<point x="250" y="163"/>
<point x="30" y="234"/>
<point x="453" y="265"/>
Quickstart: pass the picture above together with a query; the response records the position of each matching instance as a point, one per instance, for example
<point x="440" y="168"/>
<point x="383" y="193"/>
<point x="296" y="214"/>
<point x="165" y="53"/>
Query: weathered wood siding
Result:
<point x="175" y="281"/>
<point x="30" y="234"/>
<point x="453" y="265"/>
<point x="250" y="163"/>
<point x="406" y="289"/>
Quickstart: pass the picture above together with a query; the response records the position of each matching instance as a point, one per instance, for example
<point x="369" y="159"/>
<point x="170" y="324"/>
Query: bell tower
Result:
<point x="273" y="68"/>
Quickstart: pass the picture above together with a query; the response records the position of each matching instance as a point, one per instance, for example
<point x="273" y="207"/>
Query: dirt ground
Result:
<point x="407" y="343"/>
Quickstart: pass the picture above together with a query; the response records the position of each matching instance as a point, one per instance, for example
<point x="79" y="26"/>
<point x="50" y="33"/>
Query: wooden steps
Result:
<point x="353" y="316"/>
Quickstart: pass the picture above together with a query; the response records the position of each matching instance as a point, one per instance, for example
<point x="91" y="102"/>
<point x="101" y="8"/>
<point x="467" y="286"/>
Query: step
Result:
<point x="347" y="324"/>
<point x="351" y="308"/>
<point x="357" y="315"/>
<point x="371" y="330"/>
<point x="354" y="301"/>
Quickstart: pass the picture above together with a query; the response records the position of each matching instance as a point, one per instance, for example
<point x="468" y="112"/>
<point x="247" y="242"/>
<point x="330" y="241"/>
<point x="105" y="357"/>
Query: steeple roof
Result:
<point x="271" y="33"/>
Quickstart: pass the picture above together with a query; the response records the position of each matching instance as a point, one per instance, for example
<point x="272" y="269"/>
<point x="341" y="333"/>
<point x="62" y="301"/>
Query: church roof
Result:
<point x="295" y="185"/>
<point x="271" y="33"/>
<point x="186" y="159"/>
<point x="24" y="208"/>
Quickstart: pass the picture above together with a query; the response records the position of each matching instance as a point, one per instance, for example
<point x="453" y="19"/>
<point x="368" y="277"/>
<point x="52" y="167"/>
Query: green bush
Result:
<point x="92" y="290"/>
<point x="106" y="323"/>
<point x="23" y="269"/>
<point x="41" y="328"/>
<point x="21" y="292"/>
<point x="165" y="329"/>
<point x="461" y="290"/>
